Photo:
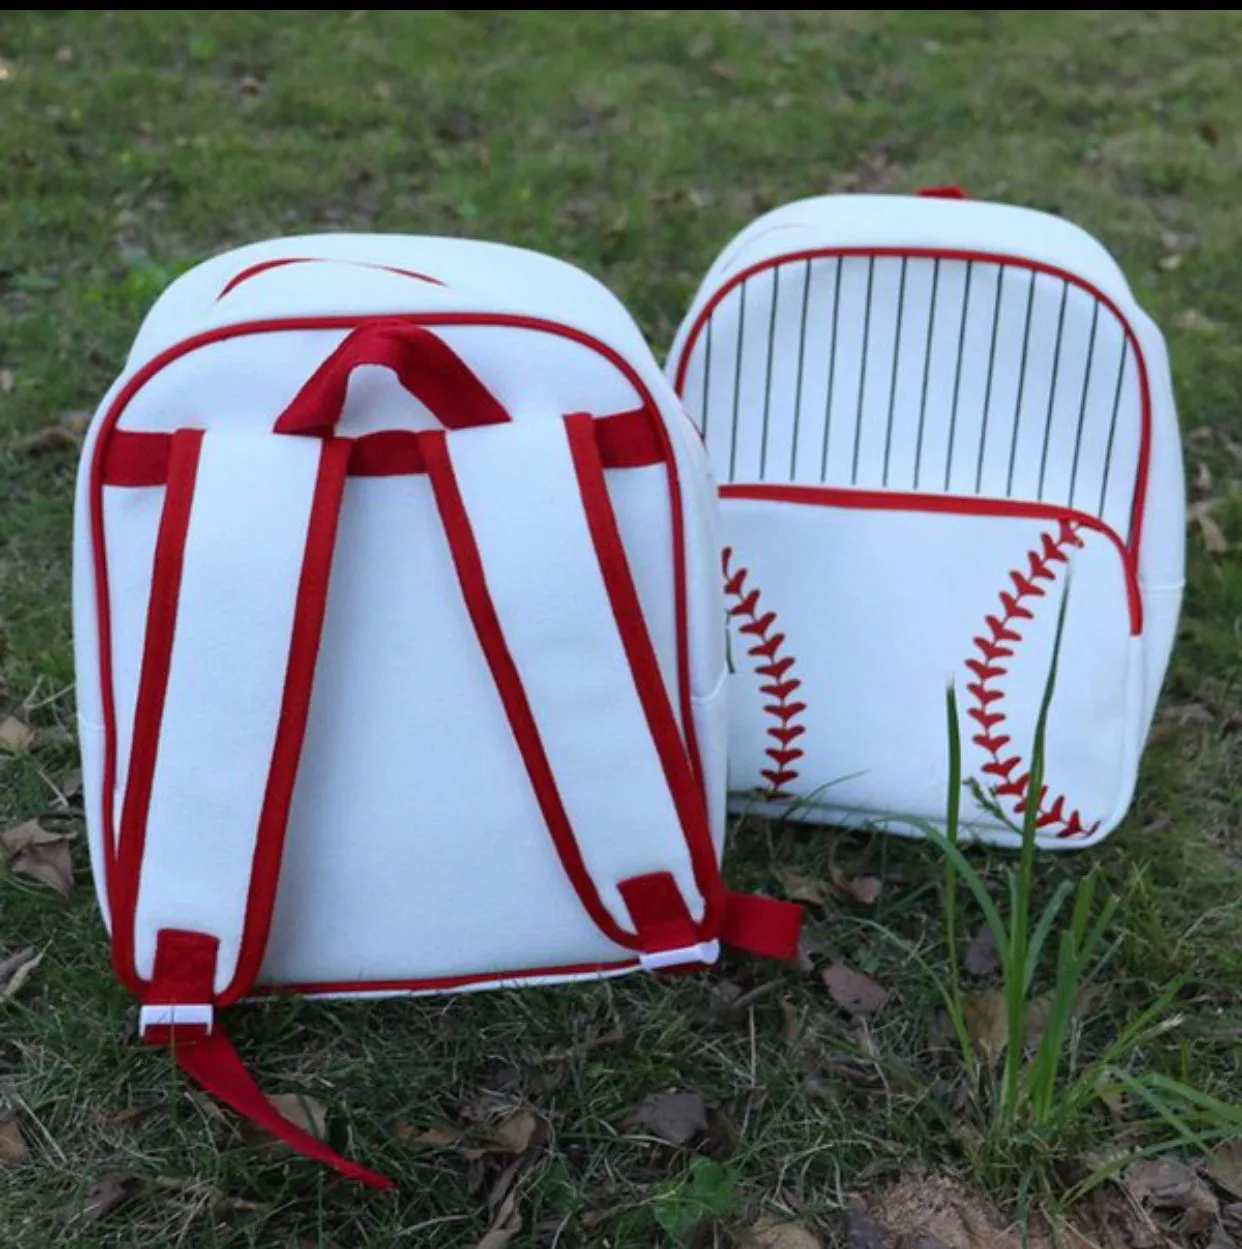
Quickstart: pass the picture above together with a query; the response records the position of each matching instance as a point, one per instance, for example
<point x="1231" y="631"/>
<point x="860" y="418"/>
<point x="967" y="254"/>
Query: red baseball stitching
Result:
<point x="776" y="666"/>
<point x="986" y="692"/>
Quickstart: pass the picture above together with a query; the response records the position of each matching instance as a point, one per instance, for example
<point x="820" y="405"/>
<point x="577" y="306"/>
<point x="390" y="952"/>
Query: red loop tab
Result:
<point x="659" y="913"/>
<point x="184" y="975"/>
<point x="762" y="926"/>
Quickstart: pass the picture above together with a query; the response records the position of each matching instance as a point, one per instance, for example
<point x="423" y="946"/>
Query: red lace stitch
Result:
<point x="776" y="667"/>
<point x="988" y="669"/>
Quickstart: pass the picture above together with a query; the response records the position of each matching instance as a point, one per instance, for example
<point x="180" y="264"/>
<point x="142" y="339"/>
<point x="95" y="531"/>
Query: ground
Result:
<point x="633" y="142"/>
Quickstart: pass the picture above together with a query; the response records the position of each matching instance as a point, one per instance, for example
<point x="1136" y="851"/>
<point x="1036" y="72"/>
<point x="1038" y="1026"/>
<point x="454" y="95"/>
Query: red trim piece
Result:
<point x="688" y="797"/>
<point x="959" y="505"/>
<point x="424" y="364"/>
<point x="152" y="689"/>
<point x="766" y="646"/>
<point x="264" y="265"/>
<point x="134" y="385"/>
<point x="1142" y="470"/>
<point x="136" y="459"/>
<point x="942" y="192"/>
<point x="185" y="965"/>
<point x="473" y="580"/>
<point x="762" y="926"/>
<point x="659" y="912"/>
<point x="1006" y="770"/>
<point x="312" y="600"/>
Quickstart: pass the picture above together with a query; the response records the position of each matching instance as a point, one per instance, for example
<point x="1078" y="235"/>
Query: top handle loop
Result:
<point x="424" y="364"/>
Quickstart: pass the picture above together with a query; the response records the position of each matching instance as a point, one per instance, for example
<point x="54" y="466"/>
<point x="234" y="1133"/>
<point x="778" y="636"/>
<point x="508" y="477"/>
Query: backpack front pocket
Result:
<point x="851" y="611"/>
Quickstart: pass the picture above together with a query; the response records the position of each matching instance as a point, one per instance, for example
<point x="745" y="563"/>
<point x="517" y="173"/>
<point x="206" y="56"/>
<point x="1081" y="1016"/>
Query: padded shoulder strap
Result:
<point x="548" y="585"/>
<point x="238" y="590"/>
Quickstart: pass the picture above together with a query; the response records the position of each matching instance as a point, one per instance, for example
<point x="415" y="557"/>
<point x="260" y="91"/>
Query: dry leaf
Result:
<point x="854" y="992"/>
<point x="982" y="958"/>
<point x="107" y="1195"/>
<point x="987" y="1020"/>
<point x="1172" y="262"/>
<point x="1213" y="535"/>
<point x="66" y="435"/>
<point x="861" y="1231"/>
<point x="506" y="1224"/>
<point x="1195" y="322"/>
<point x="15" y="735"/>
<point x="1164" y="1184"/>
<point x="6" y="381"/>
<point x="40" y="856"/>
<point x="429" y="1138"/>
<point x="798" y="887"/>
<point x="865" y="890"/>
<point x="13" y="1148"/>
<point x="674" y="1118"/>
<point x="303" y="1112"/>
<point x="944" y="1214"/>
<point x="774" y="1234"/>
<point x="16" y="970"/>
<point x="1224" y="1166"/>
<point x="517" y="1132"/>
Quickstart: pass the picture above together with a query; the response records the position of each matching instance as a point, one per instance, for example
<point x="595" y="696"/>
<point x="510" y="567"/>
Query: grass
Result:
<point x="133" y="143"/>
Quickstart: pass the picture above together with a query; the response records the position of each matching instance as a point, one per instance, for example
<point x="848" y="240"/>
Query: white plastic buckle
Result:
<point x="706" y="953"/>
<point x="180" y="1015"/>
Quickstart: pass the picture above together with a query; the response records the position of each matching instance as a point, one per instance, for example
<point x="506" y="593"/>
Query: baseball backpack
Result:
<point x="927" y="413"/>
<point x="400" y="644"/>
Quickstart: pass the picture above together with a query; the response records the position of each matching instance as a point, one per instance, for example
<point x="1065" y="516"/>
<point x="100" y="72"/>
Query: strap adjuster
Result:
<point x="157" y="1023"/>
<point x="705" y="953"/>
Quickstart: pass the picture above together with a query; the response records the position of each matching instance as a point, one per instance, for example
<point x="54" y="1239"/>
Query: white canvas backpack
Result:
<point x="927" y="413"/>
<point x="400" y="643"/>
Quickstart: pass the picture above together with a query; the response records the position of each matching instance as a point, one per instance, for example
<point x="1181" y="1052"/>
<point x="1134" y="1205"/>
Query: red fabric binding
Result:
<point x="469" y="565"/>
<point x="184" y="972"/>
<point x="762" y="926"/>
<point x="263" y="266"/>
<point x="137" y="458"/>
<point x="424" y="364"/>
<point x="152" y="689"/>
<point x="688" y="797"/>
<point x="312" y="599"/>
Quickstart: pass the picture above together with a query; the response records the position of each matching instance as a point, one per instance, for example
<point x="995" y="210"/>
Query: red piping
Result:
<point x="1143" y="468"/>
<point x="961" y="505"/>
<point x="264" y="265"/>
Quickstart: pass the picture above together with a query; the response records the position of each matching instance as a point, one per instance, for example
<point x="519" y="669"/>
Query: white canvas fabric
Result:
<point x="930" y="416"/>
<point x="399" y="645"/>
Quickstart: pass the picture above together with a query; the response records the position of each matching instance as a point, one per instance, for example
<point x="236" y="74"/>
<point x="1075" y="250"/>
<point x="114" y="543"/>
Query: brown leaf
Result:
<point x="107" y="1195"/>
<point x="1224" y="1167"/>
<point x="1172" y="262"/>
<point x="13" y="1148"/>
<point x="523" y="1129"/>
<point x="674" y="1118"/>
<point x="1214" y="539"/>
<point x="865" y="890"/>
<point x="799" y="887"/>
<point x="40" y="856"/>
<point x="1195" y="322"/>
<point x="16" y="970"/>
<point x="853" y="991"/>
<point x="6" y="381"/>
<point x="775" y="1234"/>
<point x="303" y="1112"/>
<point x="65" y="435"/>
<point x="502" y="1201"/>
<point x="982" y="958"/>
<point x="16" y="735"/>
<point x="1165" y="1184"/>
<point x="987" y="1020"/>
<point x="429" y="1138"/>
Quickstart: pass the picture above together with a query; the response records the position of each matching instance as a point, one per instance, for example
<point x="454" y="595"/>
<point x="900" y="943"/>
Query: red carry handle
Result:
<point x="942" y="192"/>
<point x="424" y="364"/>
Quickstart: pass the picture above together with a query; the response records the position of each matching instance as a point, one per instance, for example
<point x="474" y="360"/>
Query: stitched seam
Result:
<point x="766" y="646"/>
<point x="987" y="692"/>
